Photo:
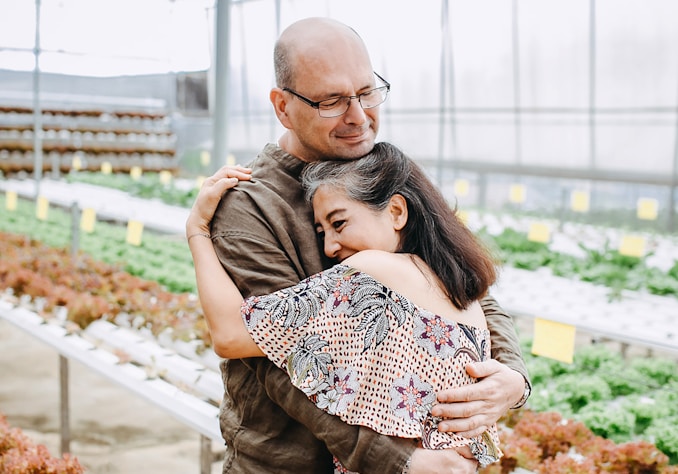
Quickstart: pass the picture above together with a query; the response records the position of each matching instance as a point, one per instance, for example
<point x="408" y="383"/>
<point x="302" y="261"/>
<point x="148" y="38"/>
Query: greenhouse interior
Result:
<point x="550" y="128"/>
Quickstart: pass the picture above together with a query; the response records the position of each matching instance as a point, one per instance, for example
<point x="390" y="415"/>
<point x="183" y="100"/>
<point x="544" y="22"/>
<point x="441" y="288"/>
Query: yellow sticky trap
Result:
<point x="580" y="201"/>
<point x="42" y="208"/>
<point x="230" y="160"/>
<point x="554" y="340"/>
<point x="165" y="177"/>
<point x="76" y="163"/>
<point x="87" y="220"/>
<point x="11" y="200"/>
<point x="517" y="193"/>
<point x="632" y="246"/>
<point x="648" y="209"/>
<point x="135" y="173"/>
<point x="205" y="158"/>
<point x="198" y="181"/>
<point x="461" y="187"/>
<point x="539" y="232"/>
<point x="106" y="167"/>
<point x="135" y="230"/>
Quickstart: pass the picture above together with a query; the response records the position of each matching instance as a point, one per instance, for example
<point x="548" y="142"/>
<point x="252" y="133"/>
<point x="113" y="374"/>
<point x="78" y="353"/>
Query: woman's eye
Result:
<point x="338" y="224"/>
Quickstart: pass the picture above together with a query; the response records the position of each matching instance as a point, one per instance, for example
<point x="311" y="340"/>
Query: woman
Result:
<point x="373" y="338"/>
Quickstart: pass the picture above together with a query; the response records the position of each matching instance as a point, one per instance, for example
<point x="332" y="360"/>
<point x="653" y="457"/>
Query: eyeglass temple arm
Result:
<point x="388" y="84"/>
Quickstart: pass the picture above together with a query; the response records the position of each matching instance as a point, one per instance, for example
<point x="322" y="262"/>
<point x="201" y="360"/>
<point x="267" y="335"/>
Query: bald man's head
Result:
<point x="310" y="41"/>
<point x="318" y="60"/>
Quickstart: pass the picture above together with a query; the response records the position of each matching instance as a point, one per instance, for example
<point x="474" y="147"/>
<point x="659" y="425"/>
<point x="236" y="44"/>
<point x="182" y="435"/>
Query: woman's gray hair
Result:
<point x="371" y="180"/>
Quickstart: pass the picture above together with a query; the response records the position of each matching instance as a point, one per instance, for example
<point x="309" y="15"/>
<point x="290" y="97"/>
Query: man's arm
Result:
<point x="505" y="343"/>
<point x="503" y="381"/>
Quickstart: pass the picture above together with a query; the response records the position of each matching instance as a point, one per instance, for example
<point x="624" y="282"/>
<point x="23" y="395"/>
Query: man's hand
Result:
<point x="443" y="461"/>
<point x="472" y="409"/>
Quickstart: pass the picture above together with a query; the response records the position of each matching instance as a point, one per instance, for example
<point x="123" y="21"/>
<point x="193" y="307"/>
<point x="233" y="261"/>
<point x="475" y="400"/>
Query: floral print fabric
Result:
<point x="363" y="352"/>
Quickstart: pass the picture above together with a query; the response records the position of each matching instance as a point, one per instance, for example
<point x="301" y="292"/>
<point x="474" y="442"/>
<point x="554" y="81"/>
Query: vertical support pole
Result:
<point x="245" y="93"/>
<point x="221" y="66"/>
<point x="563" y="208"/>
<point x="446" y="100"/>
<point x="64" y="406"/>
<point x="592" y="84"/>
<point x="517" y="102"/>
<point x="273" y="122"/>
<point x="482" y="191"/>
<point x="37" y="110"/>
<point x="64" y="396"/>
<point x="624" y="349"/>
<point x="75" y="229"/>
<point x="441" y="91"/>
<point x="671" y="205"/>
<point x="592" y="98"/>
<point x="673" y="188"/>
<point x="205" y="455"/>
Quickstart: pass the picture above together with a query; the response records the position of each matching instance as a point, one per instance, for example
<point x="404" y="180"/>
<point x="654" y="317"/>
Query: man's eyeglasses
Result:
<point x="336" y="106"/>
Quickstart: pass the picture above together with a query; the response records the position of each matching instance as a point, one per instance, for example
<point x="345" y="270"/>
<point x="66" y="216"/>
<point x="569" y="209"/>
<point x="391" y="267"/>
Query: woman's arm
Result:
<point x="219" y="297"/>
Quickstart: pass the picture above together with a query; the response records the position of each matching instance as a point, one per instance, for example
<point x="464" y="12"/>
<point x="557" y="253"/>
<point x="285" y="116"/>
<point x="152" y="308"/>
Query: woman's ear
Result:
<point x="280" y="106"/>
<point x="398" y="210"/>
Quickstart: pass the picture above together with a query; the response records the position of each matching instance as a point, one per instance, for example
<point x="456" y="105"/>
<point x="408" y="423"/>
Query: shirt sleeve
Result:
<point x="505" y="343"/>
<point x="260" y="257"/>
<point x="279" y="323"/>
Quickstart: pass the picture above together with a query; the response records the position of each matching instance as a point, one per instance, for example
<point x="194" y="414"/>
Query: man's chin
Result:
<point x="352" y="150"/>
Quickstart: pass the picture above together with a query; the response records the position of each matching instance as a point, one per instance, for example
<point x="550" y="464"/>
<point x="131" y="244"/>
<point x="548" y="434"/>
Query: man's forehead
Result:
<point x="339" y="79"/>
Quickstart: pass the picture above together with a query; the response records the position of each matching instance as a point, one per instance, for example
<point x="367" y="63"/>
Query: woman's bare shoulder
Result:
<point x="380" y="264"/>
<point x="415" y="281"/>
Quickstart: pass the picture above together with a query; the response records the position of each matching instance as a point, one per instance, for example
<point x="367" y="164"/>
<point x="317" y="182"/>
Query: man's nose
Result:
<point x="355" y="113"/>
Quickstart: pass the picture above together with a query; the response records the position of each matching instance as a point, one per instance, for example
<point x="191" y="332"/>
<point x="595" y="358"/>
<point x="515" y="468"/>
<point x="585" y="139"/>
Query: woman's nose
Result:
<point x="332" y="247"/>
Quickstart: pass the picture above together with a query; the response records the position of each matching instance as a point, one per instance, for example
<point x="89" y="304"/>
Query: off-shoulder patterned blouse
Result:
<point x="363" y="352"/>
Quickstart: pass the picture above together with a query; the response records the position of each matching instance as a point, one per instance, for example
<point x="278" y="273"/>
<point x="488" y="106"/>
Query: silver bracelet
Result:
<point x="204" y="234"/>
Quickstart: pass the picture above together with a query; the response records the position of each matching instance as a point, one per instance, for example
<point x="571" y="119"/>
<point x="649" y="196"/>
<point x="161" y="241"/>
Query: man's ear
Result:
<point x="279" y="102"/>
<point x="398" y="209"/>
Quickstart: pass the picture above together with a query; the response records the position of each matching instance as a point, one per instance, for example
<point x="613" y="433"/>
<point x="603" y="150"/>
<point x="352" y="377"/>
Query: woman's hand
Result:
<point x="443" y="461"/>
<point x="211" y="191"/>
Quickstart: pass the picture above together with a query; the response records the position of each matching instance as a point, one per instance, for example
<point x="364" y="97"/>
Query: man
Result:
<point x="327" y="98"/>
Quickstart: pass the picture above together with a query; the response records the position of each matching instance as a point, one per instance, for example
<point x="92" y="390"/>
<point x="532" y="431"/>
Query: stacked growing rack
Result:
<point x="87" y="139"/>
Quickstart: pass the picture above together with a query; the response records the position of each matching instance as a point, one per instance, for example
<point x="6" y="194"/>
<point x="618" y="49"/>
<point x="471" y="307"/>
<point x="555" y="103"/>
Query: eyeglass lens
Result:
<point x="339" y="105"/>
